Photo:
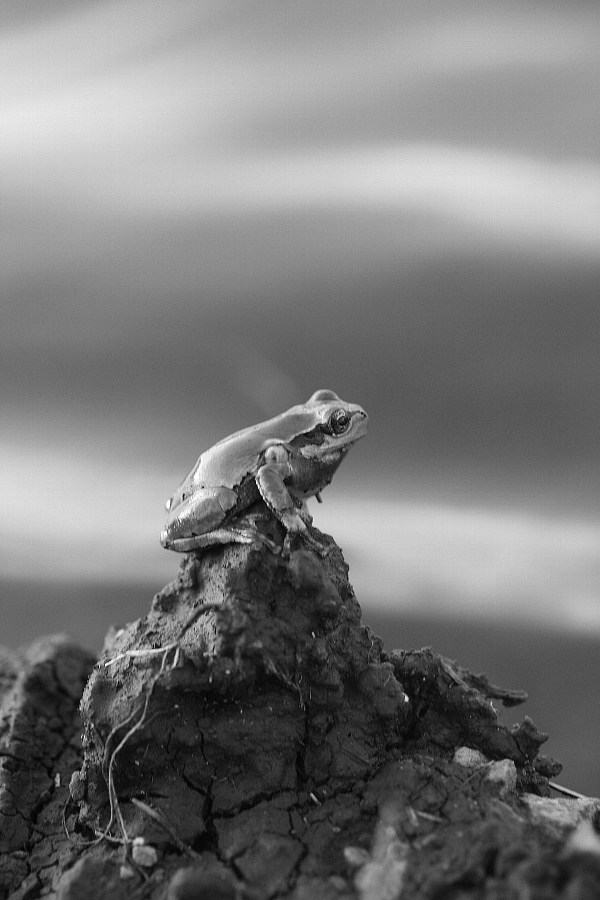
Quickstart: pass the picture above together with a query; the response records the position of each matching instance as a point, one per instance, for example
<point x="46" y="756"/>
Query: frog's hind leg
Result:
<point x="223" y="536"/>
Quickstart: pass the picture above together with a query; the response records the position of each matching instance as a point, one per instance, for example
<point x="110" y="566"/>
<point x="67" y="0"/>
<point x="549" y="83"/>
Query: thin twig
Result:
<point x="115" y="809"/>
<point x="567" y="791"/>
<point x="111" y="755"/>
<point x="173" y="645"/>
<point x="429" y="816"/>
<point x="132" y="654"/>
<point x="205" y="607"/>
<point x="162" y="820"/>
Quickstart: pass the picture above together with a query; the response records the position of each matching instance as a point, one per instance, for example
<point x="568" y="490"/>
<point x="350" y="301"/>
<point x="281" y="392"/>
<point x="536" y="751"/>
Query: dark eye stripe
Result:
<point x="316" y="436"/>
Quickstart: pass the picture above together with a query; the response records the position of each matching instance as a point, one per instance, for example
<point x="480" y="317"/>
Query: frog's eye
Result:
<point x="339" y="421"/>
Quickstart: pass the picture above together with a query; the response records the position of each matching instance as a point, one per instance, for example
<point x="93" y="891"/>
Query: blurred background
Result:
<point x="211" y="208"/>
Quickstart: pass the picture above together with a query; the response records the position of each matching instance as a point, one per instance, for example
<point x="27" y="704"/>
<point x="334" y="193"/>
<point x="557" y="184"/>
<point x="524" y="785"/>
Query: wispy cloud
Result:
<point x="533" y="202"/>
<point x="153" y="109"/>
<point x="66" y="515"/>
<point x="471" y="561"/>
<point x="100" y="72"/>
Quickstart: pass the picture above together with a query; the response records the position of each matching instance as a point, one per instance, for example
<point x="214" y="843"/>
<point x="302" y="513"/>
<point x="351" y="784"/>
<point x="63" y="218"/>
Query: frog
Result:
<point x="282" y="461"/>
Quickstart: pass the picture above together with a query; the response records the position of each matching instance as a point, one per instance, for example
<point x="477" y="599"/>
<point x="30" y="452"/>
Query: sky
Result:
<point x="211" y="209"/>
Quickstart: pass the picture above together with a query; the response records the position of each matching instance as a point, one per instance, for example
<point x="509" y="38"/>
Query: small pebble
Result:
<point x="143" y="854"/>
<point x="584" y="839"/>
<point x="195" y="884"/>
<point x="356" y="856"/>
<point x="77" y="786"/>
<point x="469" y="758"/>
<point x="503" y="772"/>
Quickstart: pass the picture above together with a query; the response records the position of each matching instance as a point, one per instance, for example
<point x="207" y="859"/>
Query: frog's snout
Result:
<point x="361" y="422"/>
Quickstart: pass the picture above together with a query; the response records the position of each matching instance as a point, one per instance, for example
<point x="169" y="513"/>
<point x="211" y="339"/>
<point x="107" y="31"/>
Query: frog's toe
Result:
<point x="262" y="540"/>
<point x="305" y="515"/>
<point x="307" y="537"/>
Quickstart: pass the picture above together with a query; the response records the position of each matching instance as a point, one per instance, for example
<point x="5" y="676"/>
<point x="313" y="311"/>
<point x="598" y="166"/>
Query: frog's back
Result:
<point x="230" y="460"/>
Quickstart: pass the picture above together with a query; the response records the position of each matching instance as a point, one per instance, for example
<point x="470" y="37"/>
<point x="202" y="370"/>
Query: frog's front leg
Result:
<point x="270" y="482"/>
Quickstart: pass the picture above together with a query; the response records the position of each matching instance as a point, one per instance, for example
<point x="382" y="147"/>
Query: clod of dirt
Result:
<point x="250" y="738"/>
<point x="39" y="747"/>
<point x="275" y="686"/>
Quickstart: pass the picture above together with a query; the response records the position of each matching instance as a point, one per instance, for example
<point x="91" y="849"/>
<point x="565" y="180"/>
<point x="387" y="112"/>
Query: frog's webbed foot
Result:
<point x="253" y="536"/>
<point x="307" y="537"/>
<point x="304" y="514"/>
